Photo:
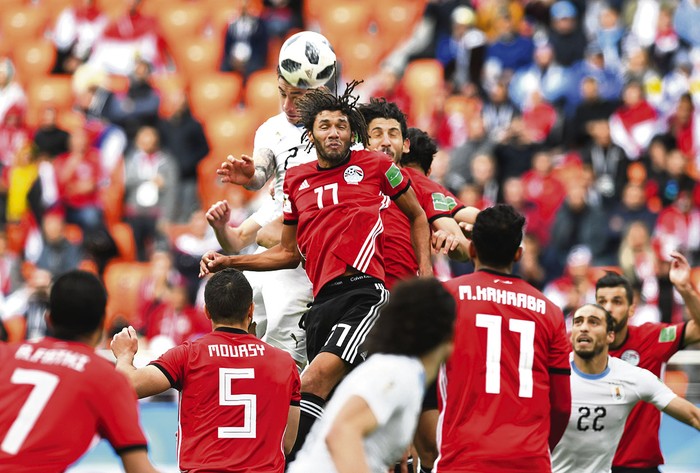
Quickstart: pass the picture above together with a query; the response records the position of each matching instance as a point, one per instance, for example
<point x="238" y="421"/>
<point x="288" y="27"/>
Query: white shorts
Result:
<point x="281" y="298"/>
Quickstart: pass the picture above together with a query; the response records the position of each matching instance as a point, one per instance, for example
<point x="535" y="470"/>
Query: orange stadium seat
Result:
<point x="24" y="22"/>
<point x="33" y="58"/>
<point x="341" y="20"/>
<point x="423" y="79"/>
<point x="55" y="7"/>
<point x="123" y="282"/>
<point x="50" y="90"/>
<point x="111" y="8"/>
<point x="123" y="236"/>
<point x="396" y="19"/>
<point x="261" y="95"/>
<point x="181" y="20"/>
<point x="155" y="7"/>
<point x="677" y="380"/>
<point x="112" y="196"/>
<point x="215" y="92"/>
<point x="210" y="187"/>
<point x="117" y="83"/>
<point x="196" y="55"/>
<point x="359" y="57"/>
<point x="231" y="132"/>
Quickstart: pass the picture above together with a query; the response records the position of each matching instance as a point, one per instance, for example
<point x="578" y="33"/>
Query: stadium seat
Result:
<point x="677" y="380"/>
<point x="341" y="20"/>
<point x="210" y="187"/>
<point x="112" y="196"/>
<point x="123" y="236"/>
<point x="111" y="8"/>
<point x="396" y="19"/>
<point x="33" y="58"/>
<point x="155" y="7"/>
<point x="232" y="132"/>
<point x="423" y="79"/>
<point x="359" y="57"/>
<point x="196" y="55"/>
<point x="123" y="281"/>
<point x="261" y="95"/>
<point x="118" y="84"/>
<point x="50" y="90"/>
<point x="215" y="92"/>
<point x="22" y="23"/>
<point x="178" y="20"/>
<point x="55" y="7"/>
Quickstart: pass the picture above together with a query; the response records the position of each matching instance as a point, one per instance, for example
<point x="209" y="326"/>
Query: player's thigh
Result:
<point x="354" y="315"/>
<point x="287" y="295"/>
<point x="323" y="374"/>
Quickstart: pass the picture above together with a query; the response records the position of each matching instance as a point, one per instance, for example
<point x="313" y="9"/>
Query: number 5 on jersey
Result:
<point x="227" y="376"/>
<point x="526" y="329"/>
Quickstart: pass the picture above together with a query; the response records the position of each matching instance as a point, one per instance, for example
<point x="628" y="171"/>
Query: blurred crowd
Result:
<point x="581" y="114"/>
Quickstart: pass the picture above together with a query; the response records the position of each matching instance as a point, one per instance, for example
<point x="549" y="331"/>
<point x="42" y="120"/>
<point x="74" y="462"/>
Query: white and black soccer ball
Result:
<point x="307" y="60"/>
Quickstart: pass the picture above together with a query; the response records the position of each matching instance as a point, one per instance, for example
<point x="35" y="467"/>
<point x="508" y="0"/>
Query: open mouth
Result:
<point x="583" y="340"/>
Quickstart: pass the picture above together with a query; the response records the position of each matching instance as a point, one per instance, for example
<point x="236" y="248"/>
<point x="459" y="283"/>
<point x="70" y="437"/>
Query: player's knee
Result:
<point x="323" y="374"/>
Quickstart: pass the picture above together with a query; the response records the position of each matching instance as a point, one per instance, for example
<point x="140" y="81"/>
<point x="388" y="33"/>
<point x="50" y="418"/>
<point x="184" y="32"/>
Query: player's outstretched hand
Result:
<point x="211" y="263"/>
<point x="679" y="274"/>
<point x="125" y="343"/>
<point x="237" y="170"/>
<point x="218" y="215"/>
<point x="443" y="241"/>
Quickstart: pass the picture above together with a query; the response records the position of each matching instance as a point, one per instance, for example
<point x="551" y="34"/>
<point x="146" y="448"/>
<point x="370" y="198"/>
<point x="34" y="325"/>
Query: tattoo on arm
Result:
<point x="264" y="168"/>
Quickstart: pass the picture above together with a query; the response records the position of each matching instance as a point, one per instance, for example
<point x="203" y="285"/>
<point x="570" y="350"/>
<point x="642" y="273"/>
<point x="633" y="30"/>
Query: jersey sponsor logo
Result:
<point x="667" y="334"/>
<point x="617" y="392"/>
<point x="287" y="204"/>
<point x="394" y="176"/>
<point x="353" y="174"/>
<point x="631" y="357"/>
<point x="304" y="185"/>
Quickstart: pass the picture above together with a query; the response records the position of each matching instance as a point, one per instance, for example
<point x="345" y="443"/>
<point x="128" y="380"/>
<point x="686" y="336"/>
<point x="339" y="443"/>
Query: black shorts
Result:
<point x="342" y="314"/>
<point x="430" y="400"/>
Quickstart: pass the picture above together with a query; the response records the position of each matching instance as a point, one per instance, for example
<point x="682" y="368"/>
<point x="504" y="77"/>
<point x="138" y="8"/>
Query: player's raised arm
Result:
<point x="684" y="411"/>
<point x="232" y="239"/>
<point x="147" y="381"/>
<point x="252" y="173"/>
<point x="345" y="440"/>
<point x="420" y="231"/>
<point x="459" y="247"/>
<point x="680" y="277"/>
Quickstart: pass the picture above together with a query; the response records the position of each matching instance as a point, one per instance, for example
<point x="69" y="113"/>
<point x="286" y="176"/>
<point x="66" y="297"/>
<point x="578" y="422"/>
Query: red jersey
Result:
<point x="648" y="346"/>
<point x="337" y="213"/>
<point x="55" y="396"/>
<point x="235" y="393"/>
<point x="87" y="170"/>
<point x="494" y="389"/>
<point x="399" y="258"/>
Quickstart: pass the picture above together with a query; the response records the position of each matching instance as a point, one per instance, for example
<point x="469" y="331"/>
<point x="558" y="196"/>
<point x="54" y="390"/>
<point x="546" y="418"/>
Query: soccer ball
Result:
<point x="307" y="60"/>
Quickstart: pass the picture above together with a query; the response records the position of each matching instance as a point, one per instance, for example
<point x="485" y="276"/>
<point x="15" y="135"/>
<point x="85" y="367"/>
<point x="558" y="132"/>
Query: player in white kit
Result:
<point x="603" y="392"/>
<point x="282" y="296"/>
<point x="369" y="422"/>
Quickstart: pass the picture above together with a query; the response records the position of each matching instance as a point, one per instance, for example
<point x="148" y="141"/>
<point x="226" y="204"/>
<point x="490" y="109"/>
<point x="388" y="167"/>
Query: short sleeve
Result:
<point x="670" y="339"/>
<point x="559" y="347"/>
<point x="652" y="390"/>
<point x="296" y="386"/>
<point x="433" y="199"/>
<point x="172" y="363"/>
<point x="291" y="216"/>
<point x="268" y="212"/>
<point x="118" y="413"/>
<point x="393" y="181"/>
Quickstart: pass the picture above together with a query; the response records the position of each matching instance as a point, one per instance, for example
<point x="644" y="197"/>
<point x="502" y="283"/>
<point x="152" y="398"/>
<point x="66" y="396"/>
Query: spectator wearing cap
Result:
<point x="566" y="34"/>
<point x="686" y="21"/>
<point x="464" y="51"/>
<point x="510" y="50"/>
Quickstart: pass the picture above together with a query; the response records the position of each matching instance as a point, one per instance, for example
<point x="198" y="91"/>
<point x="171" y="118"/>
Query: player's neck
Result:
<point x="620" y="338"/>
<point x="214" y="326"/>
<point x="478" y="265"/>
<point x="594" y="365"/>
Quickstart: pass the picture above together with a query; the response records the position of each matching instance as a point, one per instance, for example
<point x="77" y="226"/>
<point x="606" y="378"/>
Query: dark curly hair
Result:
<point x="419" y="316"/>
<point x="319" y="100"/>
<point x="422" y="150"/>
<point x="612" y="279"/>
<point x="497" y="234"/>
<point x="380" y="108"/>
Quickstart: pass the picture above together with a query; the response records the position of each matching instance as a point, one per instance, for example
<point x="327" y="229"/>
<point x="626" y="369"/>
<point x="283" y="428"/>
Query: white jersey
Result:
<point x="284" y="140"/>
<point x="600" y="405"/>
<point x="392" y="386"/>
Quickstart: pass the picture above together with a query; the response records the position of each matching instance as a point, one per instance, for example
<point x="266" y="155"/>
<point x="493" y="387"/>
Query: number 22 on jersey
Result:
<point x="526" y="329"/>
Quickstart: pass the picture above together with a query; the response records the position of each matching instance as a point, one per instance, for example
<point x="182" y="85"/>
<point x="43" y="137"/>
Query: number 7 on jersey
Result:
<point x="526" y="329"/>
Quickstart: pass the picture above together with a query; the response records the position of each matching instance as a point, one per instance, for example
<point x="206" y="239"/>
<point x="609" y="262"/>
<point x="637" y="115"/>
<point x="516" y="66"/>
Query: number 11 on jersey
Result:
<point x="526" y="329"/>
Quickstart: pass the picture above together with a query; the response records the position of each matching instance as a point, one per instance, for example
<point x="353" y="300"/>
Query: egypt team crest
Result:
<point x="631" y="357"/>
<point x="353" y="174"/>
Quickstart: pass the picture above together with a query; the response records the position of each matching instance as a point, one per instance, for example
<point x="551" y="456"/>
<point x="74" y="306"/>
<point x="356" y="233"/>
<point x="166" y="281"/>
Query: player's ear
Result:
<point x="518" y="254"/>
<point x="406" y="145"/>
